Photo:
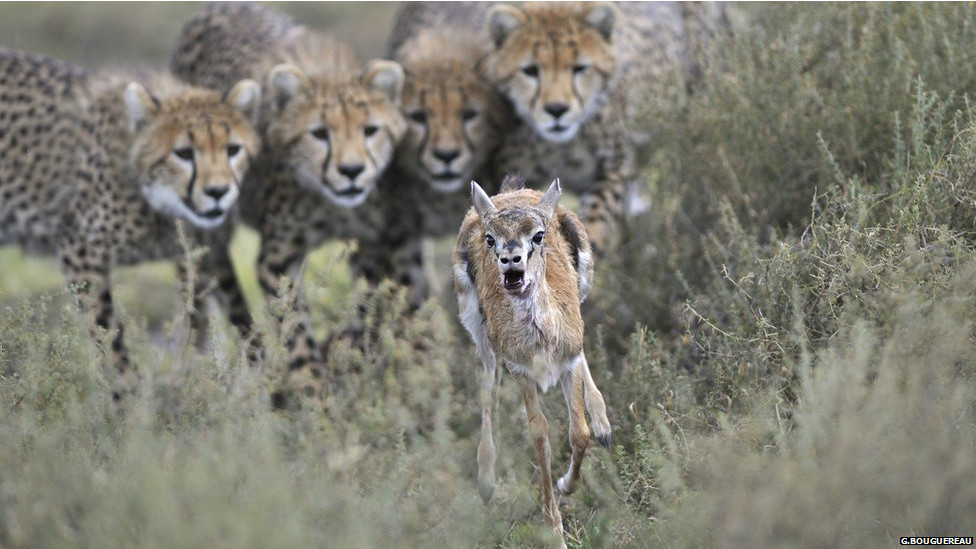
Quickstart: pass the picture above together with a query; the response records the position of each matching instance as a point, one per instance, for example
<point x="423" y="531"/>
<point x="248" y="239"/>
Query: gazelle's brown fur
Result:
<point x="522" y="266"/>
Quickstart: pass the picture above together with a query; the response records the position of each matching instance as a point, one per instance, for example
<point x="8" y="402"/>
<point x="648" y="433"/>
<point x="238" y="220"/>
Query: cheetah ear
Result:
<point x="140" y="106"/>
<point x="384" y="77"/>
<point x="286" y="81"/>
<point x="601" y="16"/>
<point x="482" y="204"/>
<point x="502" y="20"/>
<point x="550" y="200"/>
<point x="245" y="96"/>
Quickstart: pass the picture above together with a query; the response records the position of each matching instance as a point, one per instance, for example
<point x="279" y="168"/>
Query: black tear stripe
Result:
<point x="576" y="92"/>
<point x="193" y="176"/>
<point x="369" y="155"/>
<point x="538" y="78"/>
<point x="464" y="125"/>
<point x="328" y="158"/>
<point x="426" y="137"/>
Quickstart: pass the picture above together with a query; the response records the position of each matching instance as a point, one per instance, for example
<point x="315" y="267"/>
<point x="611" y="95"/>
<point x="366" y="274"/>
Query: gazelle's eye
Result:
<point x="468" y="114"/>
<point x="184" y="153"/>
<point x="321" y="133"/>
<point x="370" y="130"/>
<point x="232" y="150"/>
<point x="490" y="241"/>
<point x="580" y="68"/>
<point x="419" y="117"/>
<point x="531" y="70"/>
<point x="538" y="237"/>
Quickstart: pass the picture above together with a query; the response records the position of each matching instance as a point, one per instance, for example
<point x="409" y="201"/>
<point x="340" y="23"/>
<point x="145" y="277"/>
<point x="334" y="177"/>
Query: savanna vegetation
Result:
<point x="785" y="342"/>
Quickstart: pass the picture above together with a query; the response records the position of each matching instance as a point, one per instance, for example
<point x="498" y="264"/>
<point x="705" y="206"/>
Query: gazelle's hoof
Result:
<point x="604" y="440"/>
<point x="564" y="487"/>
<point x="486" y="491"/>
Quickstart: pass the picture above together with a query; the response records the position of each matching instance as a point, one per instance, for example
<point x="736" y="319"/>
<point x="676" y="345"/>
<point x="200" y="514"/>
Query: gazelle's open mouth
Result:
<point x="513" y="280"/>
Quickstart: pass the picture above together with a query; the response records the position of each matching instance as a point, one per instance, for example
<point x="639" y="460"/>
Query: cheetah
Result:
<point x="97" y="169"/>
<point x="330" y="131"/>
<point x="455" y="122"/>
<point x="577" y="75"/>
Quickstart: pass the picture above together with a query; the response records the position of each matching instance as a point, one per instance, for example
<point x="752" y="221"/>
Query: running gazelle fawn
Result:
<point x="522" y="266"/>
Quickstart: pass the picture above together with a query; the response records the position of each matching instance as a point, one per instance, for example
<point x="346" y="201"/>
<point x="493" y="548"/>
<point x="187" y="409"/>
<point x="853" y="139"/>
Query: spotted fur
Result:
<point x="97" y="168"/>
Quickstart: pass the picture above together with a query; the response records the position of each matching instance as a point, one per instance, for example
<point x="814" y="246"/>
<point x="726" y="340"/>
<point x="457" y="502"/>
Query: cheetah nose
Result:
<point x="351" y="170"/>
<point x="216" y="192"/>
<point x="556" y="109"/>
<point x="446" y="155"/>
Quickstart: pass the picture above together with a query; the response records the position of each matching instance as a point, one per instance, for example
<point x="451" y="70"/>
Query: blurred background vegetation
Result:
<point x="785" y="342"/>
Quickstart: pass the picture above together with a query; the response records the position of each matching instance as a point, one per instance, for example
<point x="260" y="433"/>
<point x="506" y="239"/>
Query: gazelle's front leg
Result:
<point x="595" y="404"/>
<point x="539" y="432"/>
<point x="486" y="448"/>
<point x="579" y="431"/>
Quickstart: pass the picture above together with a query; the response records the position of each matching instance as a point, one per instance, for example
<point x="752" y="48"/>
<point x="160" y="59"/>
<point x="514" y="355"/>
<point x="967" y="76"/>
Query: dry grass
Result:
<point x="785" y="345"/>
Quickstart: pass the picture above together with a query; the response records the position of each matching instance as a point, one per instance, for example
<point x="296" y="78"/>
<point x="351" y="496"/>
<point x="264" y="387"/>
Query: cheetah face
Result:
<point x="555" y="65"/>
<point x="192" y="150"/>
<point x="450" y="113"/>
<point x="337" y="134"/>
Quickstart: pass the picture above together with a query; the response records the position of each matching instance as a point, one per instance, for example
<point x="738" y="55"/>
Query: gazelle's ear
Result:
<point x="550" y="200"/>
<point x="482" y="204"/>
<point x="140" y="106"/>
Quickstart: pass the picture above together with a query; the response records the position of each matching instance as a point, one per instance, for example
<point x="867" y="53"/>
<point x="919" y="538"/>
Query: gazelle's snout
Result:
<point x="511" y="263"/>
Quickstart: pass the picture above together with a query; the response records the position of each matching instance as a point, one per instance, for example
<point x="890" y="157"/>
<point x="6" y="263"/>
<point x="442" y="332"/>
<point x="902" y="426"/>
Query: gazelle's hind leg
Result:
<point x="539" y="432"/>
<point x="579" y="431"/>
<point x="595" y="405"/>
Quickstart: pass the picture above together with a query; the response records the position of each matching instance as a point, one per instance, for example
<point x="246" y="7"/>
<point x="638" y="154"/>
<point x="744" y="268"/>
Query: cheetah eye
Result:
<point x="419" y="117"/>
<point x="321" y="133"/>
<point x="184" y="153"/>
<point x="490" y="241"/>
<point x="580" y="68"/>
<point x="468" y="114"/>
<point x="370" y="129"/>
<point x="538" y="237"/>
<point x="531" y="70"/>
<point x="232" y="150"/>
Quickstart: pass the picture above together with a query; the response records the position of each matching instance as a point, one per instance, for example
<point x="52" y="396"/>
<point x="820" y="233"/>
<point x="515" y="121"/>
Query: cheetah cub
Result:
<point x="522" y="266"/>
<point x="330" y="130"/>
<point x="578" y="74"/>
<point x="98" y="168"/>
<point x="455" y="121"/>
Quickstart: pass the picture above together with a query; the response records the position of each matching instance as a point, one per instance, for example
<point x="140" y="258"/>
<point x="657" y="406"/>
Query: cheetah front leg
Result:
<point x="602" y="208"/>
<point x="306" y="373"/>
<point x="397" y="257"/>
<point x="87" y="275"/>
<point x="221" y="268"/>
<point x="195" y="287"/>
